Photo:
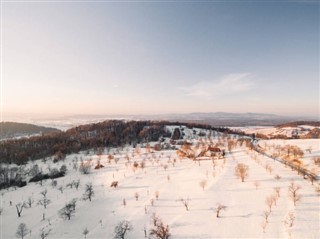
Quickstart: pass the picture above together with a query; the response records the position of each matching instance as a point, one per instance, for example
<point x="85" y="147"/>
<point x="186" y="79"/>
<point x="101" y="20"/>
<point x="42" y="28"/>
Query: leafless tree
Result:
<point x="85" y="232"/>
<point x="76" y="184"/>
<point x="219" y="208"/>
<point x="44" y="202"/>
<point x="160" y="230"/>
<point x="312" y="178"/>
<point x="289" y="219"/>
<point x="264" y="225"/>
<point x="277" y="177"/>
<point x="242" y="171"/>
<point x="203" y="184"/>
<point x="60" y="189"/>
<point x="256" y="184"/>
<point x="165" y="167"/>
<point x="29" y="202"/>
<point x="185" y="203"/>
<point x="316" y="160"/>
<point x="44" y="193"/>
<point x="136" y="195"/>
<point x="266" y="215"/>
<point x="269" y="201"/>
<point x="157" y="194"/>
<point x="85" y="167"/>
<point x="19" y="208"/>
<point x="67" y="211"/>
<point x="277" y="191"/>
<point x="22" y="230"/>
<point x="89" y="193"/>
<point x="275" y="198"/>
<point x="293" y="193"/>
<point x="121" y="229"/>
<point x="154" y="219"/>
<point x="269" y="168"/>
<point x="114" y="184"/>
<point x="44" y="233"/>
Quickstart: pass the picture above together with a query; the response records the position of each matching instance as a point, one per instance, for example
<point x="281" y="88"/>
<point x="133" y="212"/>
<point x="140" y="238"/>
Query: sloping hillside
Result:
<point x="302" y="129"/>
<point x="160" y="183"/>
<point x="13" y="130"/>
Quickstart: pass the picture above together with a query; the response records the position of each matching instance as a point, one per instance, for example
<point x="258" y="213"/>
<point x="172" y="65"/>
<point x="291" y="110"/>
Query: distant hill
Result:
<point x="220" y="119"/>
<point x="298" y="123"/>
<point x="10" y="130"/>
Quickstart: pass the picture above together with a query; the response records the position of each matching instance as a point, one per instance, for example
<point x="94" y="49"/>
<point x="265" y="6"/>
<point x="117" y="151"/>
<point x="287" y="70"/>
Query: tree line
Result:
<point x="111" y="133"/>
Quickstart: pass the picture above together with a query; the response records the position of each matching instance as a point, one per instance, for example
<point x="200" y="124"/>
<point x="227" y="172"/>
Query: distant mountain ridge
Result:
<point x="12" y="130"/>
<point x="217" y="119"/>
<point x="231" y="119"/>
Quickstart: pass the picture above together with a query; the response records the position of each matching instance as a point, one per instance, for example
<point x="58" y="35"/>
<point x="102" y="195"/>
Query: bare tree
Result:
<point x="269" y="201"/>
<point x="60" y="189"/>
<point x="242" y="171"/>
<point x="44" y="233"/>
<point x="309" y="149"/>
<point x="256" y="184"/>
<point x="154" y="219"/>
<point x="114" y="184"/>
<point x="160" y="230"/>
<point x="85" y="232"/>
<point x="274" y="199"/>
<point x="44" y="193"/>
<point x="269" y="169"/>
<point x="85" y="167"/>
<point x="264" y="225"/>
<point x="76" y="184"/>
<point x="22" y="230"/>
<point x="289" y="219"/>
<point x="29" y="202"/>
<point x="266" y="215"/>
<point x="219" y="208"/>
<point x="157" y="194"/>
<point x="19" y="208"/>
<point x="67" y="211"/>
<point x="185" y="203"/>
<point x="89" y="193"/>
<point x="121" y="229"/>
<point x="277" y="191"/>
<point x="203" y="184"/>
<point x="312" y="178"/>
<point x="293" y="193"/>
<point x="277" y="177"/>
<point x="44" y="202"/>
<point x="136" y="195"/>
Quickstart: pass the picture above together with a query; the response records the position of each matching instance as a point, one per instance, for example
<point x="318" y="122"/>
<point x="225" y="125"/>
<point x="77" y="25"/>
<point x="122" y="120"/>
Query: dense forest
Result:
<point x="112" y="133"/>
<point x="13" y="129"/>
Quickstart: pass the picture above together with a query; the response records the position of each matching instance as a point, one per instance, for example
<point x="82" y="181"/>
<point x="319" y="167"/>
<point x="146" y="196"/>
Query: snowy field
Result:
<point x="174" y="179"/>
<point x="275" y="131"/>
<point x="305" y="144"/>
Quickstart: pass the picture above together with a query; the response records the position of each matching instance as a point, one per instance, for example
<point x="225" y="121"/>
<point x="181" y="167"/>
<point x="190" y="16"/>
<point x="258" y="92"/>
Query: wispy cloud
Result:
<point x="226" y="85"/>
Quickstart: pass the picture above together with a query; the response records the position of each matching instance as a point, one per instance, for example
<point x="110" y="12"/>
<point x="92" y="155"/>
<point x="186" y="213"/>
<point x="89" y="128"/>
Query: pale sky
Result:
<point x="160" y="57"/>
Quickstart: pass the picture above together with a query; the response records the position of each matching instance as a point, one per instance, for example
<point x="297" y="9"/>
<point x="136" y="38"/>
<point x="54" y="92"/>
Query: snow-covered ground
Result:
<point x="276" y="131"/>
<point x="179" y="179"/>
<point x="305" y="144"/>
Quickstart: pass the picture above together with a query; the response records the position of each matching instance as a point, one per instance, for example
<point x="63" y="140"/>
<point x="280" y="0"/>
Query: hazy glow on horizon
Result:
<point x="160" y="57"/>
